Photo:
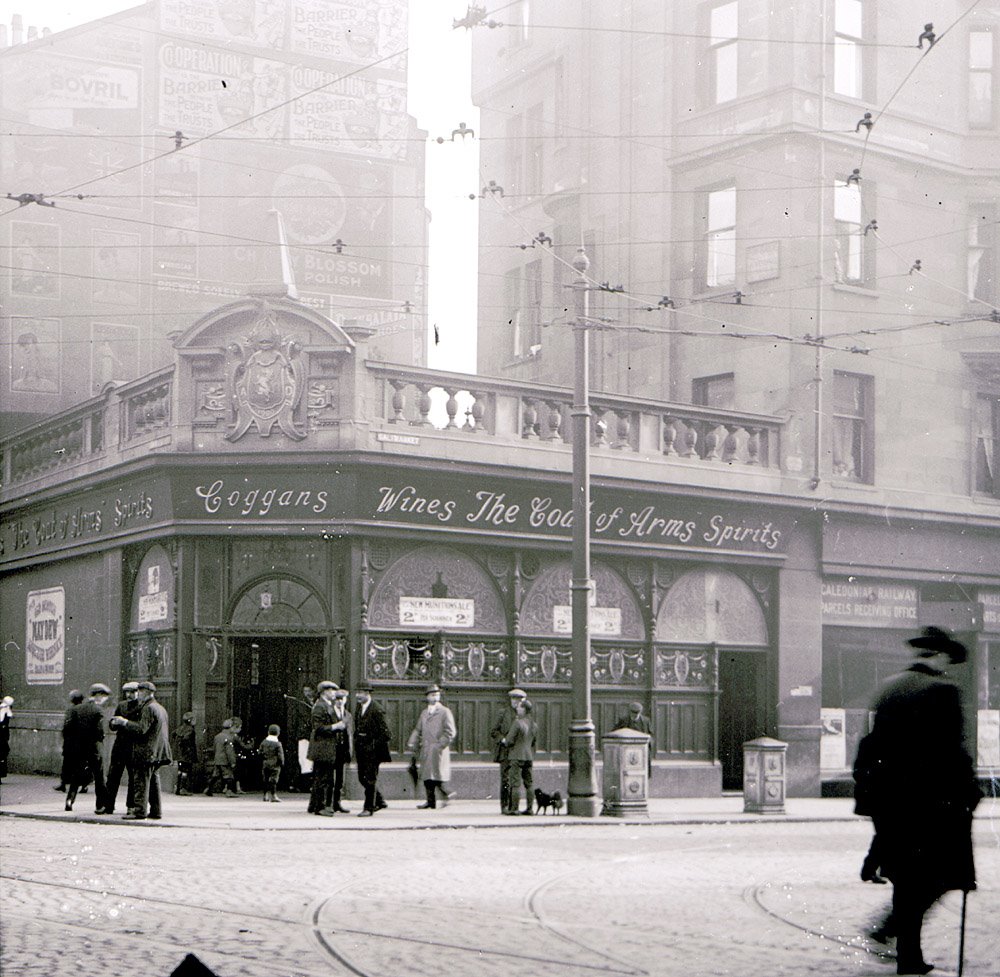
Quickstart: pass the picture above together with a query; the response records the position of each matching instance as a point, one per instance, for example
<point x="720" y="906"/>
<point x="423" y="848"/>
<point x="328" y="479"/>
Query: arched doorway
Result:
<point x="718" y="610"/>
<point x="279" y="633"/>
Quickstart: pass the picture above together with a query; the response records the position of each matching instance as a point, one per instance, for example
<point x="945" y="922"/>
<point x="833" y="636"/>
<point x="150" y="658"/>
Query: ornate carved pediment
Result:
<point x="266" y="378"/>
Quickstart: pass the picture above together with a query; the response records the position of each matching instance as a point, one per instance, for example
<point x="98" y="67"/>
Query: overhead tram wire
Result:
<point x="196" y="140"/>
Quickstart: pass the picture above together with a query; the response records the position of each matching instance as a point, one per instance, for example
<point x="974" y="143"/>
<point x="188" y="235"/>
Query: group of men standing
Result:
<point x="335" y="735"/>
<point x="141" y="747"/>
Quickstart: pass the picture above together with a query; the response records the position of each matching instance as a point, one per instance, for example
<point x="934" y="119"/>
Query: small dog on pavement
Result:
<point x="545" y="801"/>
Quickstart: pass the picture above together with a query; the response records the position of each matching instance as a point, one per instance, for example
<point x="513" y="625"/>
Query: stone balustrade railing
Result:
<point x="146" y="408"/>
<point x="480" y="407"/>
<point x="127" y="418"/>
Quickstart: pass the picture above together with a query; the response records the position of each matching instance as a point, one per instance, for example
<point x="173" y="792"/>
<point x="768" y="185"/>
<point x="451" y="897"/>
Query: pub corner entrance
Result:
<point x="268" y="675"/>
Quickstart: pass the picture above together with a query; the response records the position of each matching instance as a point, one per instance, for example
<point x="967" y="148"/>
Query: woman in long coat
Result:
<point x="921" y="791"/>
<point x="431" y="742"/>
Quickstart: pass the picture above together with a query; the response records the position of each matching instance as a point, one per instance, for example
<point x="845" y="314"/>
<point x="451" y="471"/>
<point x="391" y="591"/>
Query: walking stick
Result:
<point x="961" y="936"/>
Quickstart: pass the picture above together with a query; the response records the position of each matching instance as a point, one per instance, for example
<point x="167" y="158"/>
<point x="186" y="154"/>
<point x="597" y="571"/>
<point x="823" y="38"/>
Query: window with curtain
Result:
<point x="852" y="424"/>
<point x="848" y="63"/>
<point x="723" y="52"/>
<point x="982" y="253"/>
<point x="523" y="289"/>
<point x="849" y="236"/>
<point x="981" y="82"/>
<point x="720" y="238"/>
<point x="987" y="438"/>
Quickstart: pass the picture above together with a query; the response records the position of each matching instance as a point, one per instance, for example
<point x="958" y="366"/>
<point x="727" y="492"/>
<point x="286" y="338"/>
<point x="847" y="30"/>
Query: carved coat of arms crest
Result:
<point x="266" y="381"/>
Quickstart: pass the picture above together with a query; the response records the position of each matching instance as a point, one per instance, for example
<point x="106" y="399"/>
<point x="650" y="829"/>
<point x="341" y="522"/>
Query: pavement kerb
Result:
<point x="345" y="825"/>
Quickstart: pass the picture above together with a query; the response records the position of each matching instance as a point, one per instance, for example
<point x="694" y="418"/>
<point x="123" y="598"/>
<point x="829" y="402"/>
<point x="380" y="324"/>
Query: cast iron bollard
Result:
<point x="626" y="773"/>
<point x="764" y="776"/>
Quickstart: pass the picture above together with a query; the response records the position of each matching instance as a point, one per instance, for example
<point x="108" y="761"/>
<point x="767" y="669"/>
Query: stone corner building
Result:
<point x="275" y="508"/>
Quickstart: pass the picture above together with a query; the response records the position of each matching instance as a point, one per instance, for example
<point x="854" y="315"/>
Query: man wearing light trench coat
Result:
<point x="431" y="742"/>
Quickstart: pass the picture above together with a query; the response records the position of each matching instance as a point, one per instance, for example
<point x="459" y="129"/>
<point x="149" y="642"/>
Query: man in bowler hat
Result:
<point x="922" y="790"/>
<point x="150" y="751"/>
<point x="371" y="747"/>
<point x="430" y="742"/>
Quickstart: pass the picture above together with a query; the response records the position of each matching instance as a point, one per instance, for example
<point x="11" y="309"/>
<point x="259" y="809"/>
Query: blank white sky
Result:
<point x="439" y="66"/>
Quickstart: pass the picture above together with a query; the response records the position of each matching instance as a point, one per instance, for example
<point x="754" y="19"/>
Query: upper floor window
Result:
<point x="715" y="391"/>
<point x="983" y="252"/>
<point x="852" y="426"/>
<point x="987" y="439"/>
<point x="723" y="57"/>
<point x="848" y="63"/>
<point x="719" y="266"/>
<point x="534" y="149"/>
<point x="853" y="250"/>
<point x="981" y="80"/>
<point x="524" y="308"/>
<point x="518" y="15"/>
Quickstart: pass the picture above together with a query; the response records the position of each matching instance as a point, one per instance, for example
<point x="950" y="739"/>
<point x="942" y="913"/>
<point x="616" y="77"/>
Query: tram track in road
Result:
<point x="752" y="896"/>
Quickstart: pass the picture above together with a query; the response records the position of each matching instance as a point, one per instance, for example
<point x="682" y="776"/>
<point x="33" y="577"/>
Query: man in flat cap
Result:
<point x="641" y="724"/>
<point x="431" y="742"/>
<point x="327" y="743"/>
<point x="921" y="791"/>
<point x="121" y="751"/>
<point x="371" y="746"/>
<point x="505" y="719"/>
<point x="84" y="733"/>
<point x="150" y="751"/>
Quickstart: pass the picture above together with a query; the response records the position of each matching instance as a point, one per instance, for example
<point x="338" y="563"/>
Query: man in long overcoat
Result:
<point x="150" y="751"/>
<point x="431" y="742"/>
<point x="327" y="744"/>
<point x="501" y="751"/>
<point x="922" y="790"/>
<point x="121" y="752"/>
<point x="83" y="735"/>
<point x="371" y="747"/>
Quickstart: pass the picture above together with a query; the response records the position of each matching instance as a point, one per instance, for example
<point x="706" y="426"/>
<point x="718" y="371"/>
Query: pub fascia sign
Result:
<point x="615" y="515"/>
<point x="88" y="519"/>
<point x="491" y="509"/>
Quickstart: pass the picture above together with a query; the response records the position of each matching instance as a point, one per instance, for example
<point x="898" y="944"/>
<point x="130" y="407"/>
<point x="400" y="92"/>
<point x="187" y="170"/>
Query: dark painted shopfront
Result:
<point x="903" y="576"/>
<point x="241" y="584"/>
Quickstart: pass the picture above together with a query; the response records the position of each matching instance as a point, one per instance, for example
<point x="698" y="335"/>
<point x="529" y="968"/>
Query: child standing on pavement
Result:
<point x="273" y="754"/>
<point x="223" y="762"/>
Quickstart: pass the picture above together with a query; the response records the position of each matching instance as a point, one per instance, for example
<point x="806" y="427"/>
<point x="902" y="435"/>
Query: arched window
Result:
<point x="711" y="606"/>
<point x="279" y="604"/>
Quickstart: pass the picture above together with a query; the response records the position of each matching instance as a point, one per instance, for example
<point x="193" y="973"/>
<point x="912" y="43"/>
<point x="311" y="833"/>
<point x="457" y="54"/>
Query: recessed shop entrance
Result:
<point x="268" y="675"/>
<point x="742" y="709"/>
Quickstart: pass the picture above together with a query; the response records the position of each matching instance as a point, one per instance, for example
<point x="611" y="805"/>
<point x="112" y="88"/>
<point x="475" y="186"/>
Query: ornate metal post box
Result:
<point x="626" y="773"/>
<point x="764" y="776"/>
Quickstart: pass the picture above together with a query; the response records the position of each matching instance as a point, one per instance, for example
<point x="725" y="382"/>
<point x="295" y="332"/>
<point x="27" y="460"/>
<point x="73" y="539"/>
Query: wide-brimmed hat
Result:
<point x="99" y="689"/>
<point x="431" y="688"/>
<point x="935" y="641"/>
<point x="365" y="686"/>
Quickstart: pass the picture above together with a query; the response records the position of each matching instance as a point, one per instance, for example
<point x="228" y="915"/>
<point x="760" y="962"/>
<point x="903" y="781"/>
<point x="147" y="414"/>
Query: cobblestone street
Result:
<point x="606" y="898"/>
